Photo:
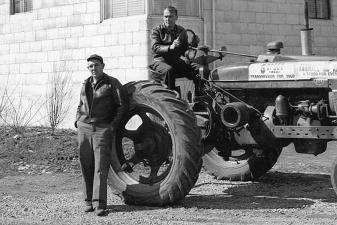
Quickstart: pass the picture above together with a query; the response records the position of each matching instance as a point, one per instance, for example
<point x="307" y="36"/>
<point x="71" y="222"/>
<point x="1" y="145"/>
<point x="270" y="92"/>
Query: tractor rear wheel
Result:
<point x="158" y="153"/>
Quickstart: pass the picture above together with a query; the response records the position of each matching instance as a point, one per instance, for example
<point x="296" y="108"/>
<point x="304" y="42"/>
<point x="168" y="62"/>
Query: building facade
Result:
<point x="39" y="39"/>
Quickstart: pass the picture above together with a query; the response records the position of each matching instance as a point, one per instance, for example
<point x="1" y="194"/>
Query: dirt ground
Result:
<point x="38" y="190"/>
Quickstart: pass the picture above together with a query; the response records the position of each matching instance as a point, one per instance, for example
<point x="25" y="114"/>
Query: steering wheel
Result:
<point x="192" y="39"/>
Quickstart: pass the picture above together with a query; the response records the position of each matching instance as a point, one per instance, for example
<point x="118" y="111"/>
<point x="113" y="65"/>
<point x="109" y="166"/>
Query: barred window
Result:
<point x="319" y="9"/>
<point x="20" y="6"/>
<point x="122" y="8"/>
<point x="185" y="8"/>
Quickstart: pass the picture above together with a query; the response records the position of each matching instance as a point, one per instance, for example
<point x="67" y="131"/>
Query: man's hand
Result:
<point x="175" y="44"/>
<point x="187" y="61"/>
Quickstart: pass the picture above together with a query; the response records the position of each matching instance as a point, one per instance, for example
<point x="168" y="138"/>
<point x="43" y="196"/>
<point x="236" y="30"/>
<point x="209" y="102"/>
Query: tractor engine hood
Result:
<point x="279" y="67"/>
<point x="230" y="73"/>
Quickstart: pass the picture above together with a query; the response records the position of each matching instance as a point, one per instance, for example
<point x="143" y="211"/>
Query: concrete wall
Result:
<point x="246" y="26"/>
<point x="56" y="38"/>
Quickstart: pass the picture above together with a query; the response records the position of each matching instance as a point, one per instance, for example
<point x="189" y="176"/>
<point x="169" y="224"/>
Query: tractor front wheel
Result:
<point x="243" y="165"/>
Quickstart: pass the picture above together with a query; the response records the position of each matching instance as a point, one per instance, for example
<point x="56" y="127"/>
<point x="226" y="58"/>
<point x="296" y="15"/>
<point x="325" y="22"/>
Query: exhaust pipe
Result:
<point x="236" y="114"/>
<point x="306" y="42"/>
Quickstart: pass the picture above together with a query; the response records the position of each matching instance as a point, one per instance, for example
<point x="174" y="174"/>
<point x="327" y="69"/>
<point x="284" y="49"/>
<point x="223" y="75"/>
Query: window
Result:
<point x="20" y="6"/>
<point x="122" y="8"/>
<point x="185" y="8"/>
<point x="319" y="9"/>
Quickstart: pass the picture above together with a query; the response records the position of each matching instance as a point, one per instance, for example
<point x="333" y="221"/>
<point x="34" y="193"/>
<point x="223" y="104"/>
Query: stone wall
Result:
<point x="56" y="38"/>
<point x="246" y="26"/>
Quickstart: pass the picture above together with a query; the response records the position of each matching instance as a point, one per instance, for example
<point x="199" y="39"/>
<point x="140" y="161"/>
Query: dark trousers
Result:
<point x="95" y="146"/>
<point x="167" y="72"/>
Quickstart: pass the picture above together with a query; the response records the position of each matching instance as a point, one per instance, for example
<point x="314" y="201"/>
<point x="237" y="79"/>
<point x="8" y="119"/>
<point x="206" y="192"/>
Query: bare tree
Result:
<point x="3" y="98"/>
<point x="58" y="99"/>
<point x="20" y="111"/>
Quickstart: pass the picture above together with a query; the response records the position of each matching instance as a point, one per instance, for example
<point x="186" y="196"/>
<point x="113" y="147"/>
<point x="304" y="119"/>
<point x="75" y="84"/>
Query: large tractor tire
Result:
<point x="246" y="165"/>
<point x="158" y="153"/>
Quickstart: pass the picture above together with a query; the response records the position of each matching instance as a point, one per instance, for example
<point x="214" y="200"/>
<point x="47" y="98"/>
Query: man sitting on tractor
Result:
<point x="169" y="43"/>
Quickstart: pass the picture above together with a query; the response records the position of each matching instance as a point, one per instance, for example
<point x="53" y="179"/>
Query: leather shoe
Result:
<point x="88" y="208"/>
<point x="100" y="212"/>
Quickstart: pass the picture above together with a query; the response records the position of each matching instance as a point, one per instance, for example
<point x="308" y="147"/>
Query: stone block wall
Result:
<point x="246" y="26"/>
<point x="56" y="37"/>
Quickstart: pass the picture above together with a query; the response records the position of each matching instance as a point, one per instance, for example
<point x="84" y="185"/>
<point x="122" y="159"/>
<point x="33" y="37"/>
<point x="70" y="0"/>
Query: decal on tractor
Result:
<point x="293" y="70"/>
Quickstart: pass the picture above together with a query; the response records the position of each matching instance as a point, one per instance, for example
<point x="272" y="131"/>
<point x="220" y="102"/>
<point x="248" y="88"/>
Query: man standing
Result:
<point x="98" y="115"/>
<point x="169" y="43"/>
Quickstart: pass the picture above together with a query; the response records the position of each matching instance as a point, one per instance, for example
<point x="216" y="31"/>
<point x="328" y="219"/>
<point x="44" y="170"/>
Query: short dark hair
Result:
<point x="95" y="56"/>
<point x="172" y="9"/>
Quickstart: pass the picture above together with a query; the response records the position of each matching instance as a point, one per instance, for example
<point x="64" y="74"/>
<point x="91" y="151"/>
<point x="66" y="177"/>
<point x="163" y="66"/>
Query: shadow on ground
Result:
<point x="275" y="190"/>
<point x="129" y="208"/>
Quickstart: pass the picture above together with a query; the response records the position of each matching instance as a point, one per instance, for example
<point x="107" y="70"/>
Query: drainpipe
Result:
<point x="202" y="10"/>
<point x="213" y="28"/>
<point x="306" y="41"/>
<point x="101" y="14"/>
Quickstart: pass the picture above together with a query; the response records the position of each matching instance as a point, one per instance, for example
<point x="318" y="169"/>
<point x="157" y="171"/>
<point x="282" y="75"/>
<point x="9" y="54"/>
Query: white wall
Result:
<point x="246" y="26"/>
<point x="57" y="37"/>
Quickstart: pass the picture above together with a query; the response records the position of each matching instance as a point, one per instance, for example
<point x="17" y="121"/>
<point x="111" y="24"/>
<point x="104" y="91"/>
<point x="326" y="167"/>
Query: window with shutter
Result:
<point x="20" y="6"/>
<point x="319" y="9"/>
<point x="122" y="8"/>
<point x="189" y="8"/>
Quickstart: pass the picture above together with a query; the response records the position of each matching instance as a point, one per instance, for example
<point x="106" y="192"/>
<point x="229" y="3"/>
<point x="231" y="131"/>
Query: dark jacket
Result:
<point x="105" y="105"/>
<point x="162" y="38"/>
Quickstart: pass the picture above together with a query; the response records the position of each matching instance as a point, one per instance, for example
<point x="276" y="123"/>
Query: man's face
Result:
<point x="170" y="18"/>
<point x="96" y="68"/>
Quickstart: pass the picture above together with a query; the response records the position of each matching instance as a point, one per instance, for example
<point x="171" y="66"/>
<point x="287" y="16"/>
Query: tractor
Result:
<point x="235" y="121"/>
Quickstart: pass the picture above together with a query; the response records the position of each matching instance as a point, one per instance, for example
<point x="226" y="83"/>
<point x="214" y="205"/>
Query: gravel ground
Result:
<point x="296" y="191"/>
<point x="281" y="198"/>
<point x="301" y="196"/>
